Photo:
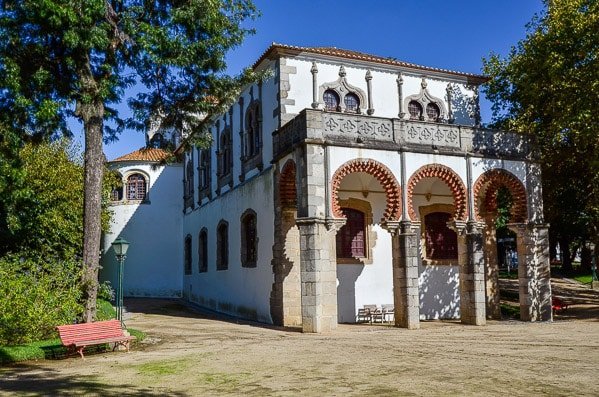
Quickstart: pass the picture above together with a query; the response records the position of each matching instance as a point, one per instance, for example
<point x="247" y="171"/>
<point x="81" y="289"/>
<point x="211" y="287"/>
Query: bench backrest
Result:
<point x="70" y="334"/>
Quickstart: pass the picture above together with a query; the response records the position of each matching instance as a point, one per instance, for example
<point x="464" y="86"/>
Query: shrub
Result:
<point x="36" y="295"/>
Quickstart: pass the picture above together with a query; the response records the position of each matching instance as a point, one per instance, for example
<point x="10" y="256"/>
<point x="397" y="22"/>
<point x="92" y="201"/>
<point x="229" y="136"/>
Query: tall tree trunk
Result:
<point x="585" y="259"/>
<point x="93" y="120"/>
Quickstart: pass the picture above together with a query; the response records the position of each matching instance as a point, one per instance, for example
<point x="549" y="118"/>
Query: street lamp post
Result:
<point x="120" y="246"/>
<point x="594" y="281"/>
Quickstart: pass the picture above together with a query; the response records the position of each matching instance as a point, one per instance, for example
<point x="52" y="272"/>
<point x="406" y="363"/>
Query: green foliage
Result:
<point x="75" y="58"/>
<point x="41" y="204"/>
<point x="35" y="296"/>
<point x="139" y="335"/>
<point x="548" y="87"/>
<point x="504" y="206"/>
<point x="105" y="291"/>
<point x="105" y="310"/>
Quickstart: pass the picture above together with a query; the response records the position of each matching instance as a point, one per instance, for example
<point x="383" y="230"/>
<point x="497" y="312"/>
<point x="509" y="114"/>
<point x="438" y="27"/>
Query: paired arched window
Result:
<point x="249" y="239"/>
<point x="332" y="101"/>
<point x="203" y="251"/>
<point x="136" y="187"/>
<point x="351" y="238"/>
<point x="441" y="241"/>
<point x="187" y="255"/>
<point x="222" y="246"/>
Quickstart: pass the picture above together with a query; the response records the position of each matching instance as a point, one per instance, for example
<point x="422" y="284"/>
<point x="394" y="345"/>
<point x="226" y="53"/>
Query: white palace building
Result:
<point x="342" y="180"/>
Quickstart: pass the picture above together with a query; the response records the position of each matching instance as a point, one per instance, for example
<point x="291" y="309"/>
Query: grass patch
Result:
<point x="510" y="311"/>
<point x="139" y="335"/>
<point x="163" y="368"/>
<point x="512" y="275"/>
<point x="584" y="278"/>
<point x="40" y="350"/>
<point x="104" y="310"/>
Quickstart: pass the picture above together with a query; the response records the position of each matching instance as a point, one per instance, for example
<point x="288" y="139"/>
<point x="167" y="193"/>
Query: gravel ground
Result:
<point x="189" y="353"/>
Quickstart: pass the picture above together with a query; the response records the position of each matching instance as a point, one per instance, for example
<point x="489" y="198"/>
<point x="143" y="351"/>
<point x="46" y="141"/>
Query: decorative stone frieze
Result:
<point x="393" y="134"/>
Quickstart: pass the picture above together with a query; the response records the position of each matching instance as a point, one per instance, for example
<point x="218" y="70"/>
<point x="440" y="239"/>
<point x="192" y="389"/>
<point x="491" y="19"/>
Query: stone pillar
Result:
<point x="318" y="270"/>
<point x="534" y="276"/>
<point x="405" y="274"/>
<point x="472" y="271"/>
<point x="491" y="269"/>
<point x="285" y="296"/>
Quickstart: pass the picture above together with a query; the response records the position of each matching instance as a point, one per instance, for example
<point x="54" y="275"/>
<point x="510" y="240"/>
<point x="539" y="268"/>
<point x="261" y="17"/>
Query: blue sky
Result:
<point x="452" y="35"/>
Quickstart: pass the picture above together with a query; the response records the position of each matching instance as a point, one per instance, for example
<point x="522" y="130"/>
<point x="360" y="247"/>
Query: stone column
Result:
<point x="472" y="271"/>
<point x="405" y="274"/>
<point x="534" y="277"/>
<point x="491" y="269"/>
<point x="318" y="273"/>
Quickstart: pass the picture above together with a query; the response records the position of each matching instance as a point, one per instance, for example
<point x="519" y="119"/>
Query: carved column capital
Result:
<point x="334" y="224"/>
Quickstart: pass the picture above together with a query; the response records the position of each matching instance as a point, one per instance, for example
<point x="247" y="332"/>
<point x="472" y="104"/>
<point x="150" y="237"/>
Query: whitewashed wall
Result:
<point x="384" y="87"/>
<point x="240" y="291"/>
<point x="153" y="266"/>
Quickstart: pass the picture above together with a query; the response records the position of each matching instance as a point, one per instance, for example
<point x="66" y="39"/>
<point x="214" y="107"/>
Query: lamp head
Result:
<point x="120" y="246"/>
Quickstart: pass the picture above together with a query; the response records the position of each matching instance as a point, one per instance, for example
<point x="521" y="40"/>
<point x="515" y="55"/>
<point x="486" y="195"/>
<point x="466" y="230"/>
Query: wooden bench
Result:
<point x="79" y="336"/>
<point x="558" y="305"/>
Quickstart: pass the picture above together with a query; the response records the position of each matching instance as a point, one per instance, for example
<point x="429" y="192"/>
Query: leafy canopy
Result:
<point x="58" y="55"/>
<point x="548" y="87"/>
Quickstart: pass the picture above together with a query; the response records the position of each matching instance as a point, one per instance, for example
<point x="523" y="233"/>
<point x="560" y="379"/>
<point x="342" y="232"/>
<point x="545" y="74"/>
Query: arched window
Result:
<point x="188" y="184"/>
<point x="203" y="251"/>
<point x="415" y="110"/>
<point x="157" y="141"/>
<point x="331" y="100"/>
<point x="225" y="153"/>
<point x="252" y="126"/>
<point x="187" y="255"/>
<point x="204" y="174"/>
<point x="136" y="187"/>
<point x="441" y="241"/>
<point x="351" y="236"/>
<point x="432" y="111"/>
<point x="249" y="239"/>
<point x="222" y="246"/>
<point x="352" y="102"/>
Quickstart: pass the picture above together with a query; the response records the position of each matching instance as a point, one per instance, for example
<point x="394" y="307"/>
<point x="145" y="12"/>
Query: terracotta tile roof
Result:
<point x="335" y="52"/>
<point x="145" y="154"/>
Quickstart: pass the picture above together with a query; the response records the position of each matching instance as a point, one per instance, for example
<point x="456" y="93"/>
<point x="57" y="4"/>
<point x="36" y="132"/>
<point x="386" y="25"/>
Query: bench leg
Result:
<point x="80" y="351"/>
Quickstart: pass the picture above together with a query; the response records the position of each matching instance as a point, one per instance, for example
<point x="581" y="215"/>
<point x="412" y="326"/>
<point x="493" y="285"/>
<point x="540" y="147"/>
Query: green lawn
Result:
<point x="585" y="278"/>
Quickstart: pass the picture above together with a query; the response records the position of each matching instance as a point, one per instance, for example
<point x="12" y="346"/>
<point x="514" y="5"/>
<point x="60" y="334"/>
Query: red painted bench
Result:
<point x="558" y="305"/>
<point x="78" y="336"/>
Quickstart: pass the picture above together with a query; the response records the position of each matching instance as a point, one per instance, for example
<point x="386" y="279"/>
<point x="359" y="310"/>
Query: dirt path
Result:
<point x="191" y="354"/>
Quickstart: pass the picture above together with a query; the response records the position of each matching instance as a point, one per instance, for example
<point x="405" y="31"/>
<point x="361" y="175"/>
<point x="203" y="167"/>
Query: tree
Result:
<point x="548" y="87"/>
<point x="76" y="58"/>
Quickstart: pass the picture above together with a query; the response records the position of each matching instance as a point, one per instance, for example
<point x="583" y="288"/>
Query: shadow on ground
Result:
<point x="30" y="379"/>
<point x="180" y="308"/>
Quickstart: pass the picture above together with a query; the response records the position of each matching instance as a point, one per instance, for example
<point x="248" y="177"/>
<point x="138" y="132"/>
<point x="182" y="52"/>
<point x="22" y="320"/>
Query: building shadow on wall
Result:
<point x="347" y="275"/>
<point x="153" y="230"/>
<point x="439" y="294"/>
